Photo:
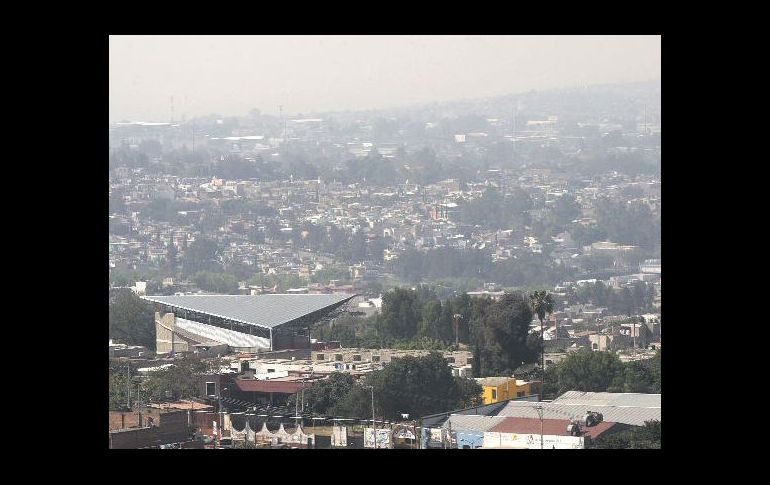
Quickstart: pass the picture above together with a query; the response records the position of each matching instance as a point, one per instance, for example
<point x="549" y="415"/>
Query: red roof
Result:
<point x="268" y="386"/>
<point x="552" y="427"/>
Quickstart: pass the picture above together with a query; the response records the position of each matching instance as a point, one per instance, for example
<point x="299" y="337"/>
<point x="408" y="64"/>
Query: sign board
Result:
<point x="531" y="441"/>
<point x="339" y="436"/>
<point x="383" y="438"/>
<point x="404" y="433"/>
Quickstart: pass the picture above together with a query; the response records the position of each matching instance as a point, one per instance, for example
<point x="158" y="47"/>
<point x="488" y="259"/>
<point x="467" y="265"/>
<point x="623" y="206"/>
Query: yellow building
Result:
<point x="496" y="389"/>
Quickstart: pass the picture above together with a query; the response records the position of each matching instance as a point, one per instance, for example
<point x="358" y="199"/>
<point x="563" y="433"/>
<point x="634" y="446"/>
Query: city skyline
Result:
<point x="160" y="78"/>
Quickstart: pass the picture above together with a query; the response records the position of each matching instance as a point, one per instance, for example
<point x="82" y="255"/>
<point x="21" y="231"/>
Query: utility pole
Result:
<point x="219" y="434"/>
<point x="540" y="413"/>
<point x="139" y="402"/>
<point x="128" y="387"/>
<point x="374" y="425"/>
<point x="296" y="409"/>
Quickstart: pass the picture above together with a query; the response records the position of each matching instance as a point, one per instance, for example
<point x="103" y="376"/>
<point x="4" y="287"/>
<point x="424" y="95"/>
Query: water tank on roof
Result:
<point x="592" y="418"/>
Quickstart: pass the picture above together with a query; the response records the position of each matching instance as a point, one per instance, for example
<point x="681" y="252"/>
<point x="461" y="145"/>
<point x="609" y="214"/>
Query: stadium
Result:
<point x="240" y="323"/>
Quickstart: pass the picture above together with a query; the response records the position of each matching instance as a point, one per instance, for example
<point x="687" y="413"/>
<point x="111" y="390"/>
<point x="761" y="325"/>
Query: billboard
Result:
<point x="404" y="433"/>
<point x="339" y="436"/>
<point x="531" y="441"/>
<point x="383" y="438"/>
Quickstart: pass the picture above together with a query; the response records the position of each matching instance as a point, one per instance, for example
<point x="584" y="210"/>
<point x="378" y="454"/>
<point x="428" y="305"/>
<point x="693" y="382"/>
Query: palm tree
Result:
<point x="542" y="304"/>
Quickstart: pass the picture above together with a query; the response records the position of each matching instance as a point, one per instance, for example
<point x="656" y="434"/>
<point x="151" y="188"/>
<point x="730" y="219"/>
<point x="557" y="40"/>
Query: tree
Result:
<point x="171" y="255"/>
<point x="216" y="282"/>
<point x="644" y="437"/>
<point x="419" y="386"/>
<point x="401" y="311"/>
<point x="542" y="304"/>
<point x="180" y="381"/>
<point x="325" y="394"/>
<point x="430" y="319"/>
<point x="119" y="384"/>
<point x="586" y="371"/>
<point x="501" y="331"/>
<point x="131" y="319"/>
<point x="200" y="256"/>
<point x="413" y="385"/>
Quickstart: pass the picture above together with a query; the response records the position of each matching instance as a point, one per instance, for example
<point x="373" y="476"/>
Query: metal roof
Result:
<point x="209" y="333"/>
<point x="462" y="422"/>
<point x="618" y="408"/>
<point x="556" y="427"/>
<point x="633" y="399"/>
<point x="266" y="311"/>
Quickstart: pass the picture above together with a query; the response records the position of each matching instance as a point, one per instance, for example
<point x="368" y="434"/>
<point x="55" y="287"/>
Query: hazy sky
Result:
<point x="231" y="75"/>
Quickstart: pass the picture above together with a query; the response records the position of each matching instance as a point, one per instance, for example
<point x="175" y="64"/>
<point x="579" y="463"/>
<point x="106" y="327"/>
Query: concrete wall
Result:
<point x="164" y="326"/>
<point x="133" y="438"/>
<point x="166" y="427"/>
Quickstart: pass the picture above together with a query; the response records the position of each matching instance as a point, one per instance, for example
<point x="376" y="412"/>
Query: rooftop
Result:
<point x="183" y="404"/>
<point x="626" y="408"/>
<point x="493" y="381"/>
<point x="556" y="427"/>
<point x="266" y="311"/>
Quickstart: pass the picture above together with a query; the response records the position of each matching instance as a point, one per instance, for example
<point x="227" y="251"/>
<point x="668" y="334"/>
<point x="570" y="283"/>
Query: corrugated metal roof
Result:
<point x="266" y="311"/>
<point x="632" y="399"/>
<point x="461" y="422"/>
<point x="633" y="415"/>
<point x="222" y="335"/>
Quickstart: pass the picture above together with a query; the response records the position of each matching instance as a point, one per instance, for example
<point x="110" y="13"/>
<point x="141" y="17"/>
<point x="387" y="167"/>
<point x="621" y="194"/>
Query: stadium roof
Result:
<point x="267" y="311"/>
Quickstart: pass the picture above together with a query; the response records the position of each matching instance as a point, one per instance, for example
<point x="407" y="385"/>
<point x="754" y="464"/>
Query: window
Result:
<point x="375" y="358"/>
<point x="520" y="394"/>
<point x="211" y="388"/>
<point x="270" y="370"/>
<point x="338" y="357"/>
<point x="469" y="360"/>
<point x="451" y="360"/>
<point x="357" y="358"/>
<point x="494" y="393"/>
<point x="320" y="357"/>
